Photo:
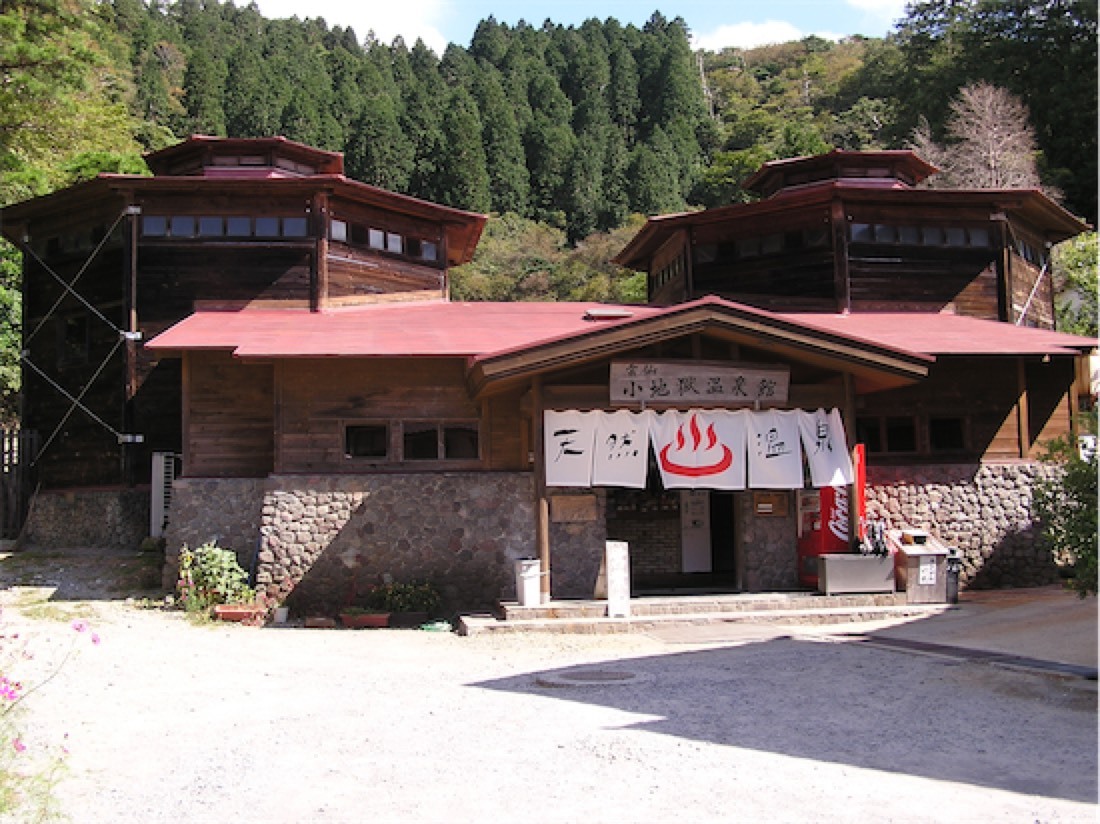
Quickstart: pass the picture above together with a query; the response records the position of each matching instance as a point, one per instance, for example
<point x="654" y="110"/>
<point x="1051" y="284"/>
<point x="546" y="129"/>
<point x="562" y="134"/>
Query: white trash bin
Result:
<point x="528" y="575"/>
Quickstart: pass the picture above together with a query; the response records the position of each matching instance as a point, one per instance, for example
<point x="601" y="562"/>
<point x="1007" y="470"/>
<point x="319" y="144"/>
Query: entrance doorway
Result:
<point x="708" y="539"/>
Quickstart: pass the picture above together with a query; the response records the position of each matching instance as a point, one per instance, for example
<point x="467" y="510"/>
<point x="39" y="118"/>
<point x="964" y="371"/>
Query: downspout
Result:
<point x="542" y="502"/>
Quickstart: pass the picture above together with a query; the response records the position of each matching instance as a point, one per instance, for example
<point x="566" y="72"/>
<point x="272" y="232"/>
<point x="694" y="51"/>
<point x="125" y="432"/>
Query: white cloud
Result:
<point x="883" y="11"/>
<point x="749" y="35"/>
<point x="411" y="19"/>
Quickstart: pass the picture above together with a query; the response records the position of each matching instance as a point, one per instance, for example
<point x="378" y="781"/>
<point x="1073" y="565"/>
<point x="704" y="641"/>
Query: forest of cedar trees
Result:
<point x="566" y="135"/>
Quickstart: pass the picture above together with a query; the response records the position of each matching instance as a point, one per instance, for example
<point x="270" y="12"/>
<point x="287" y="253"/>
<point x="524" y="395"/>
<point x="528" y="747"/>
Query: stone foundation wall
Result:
<point x="225" y="511"/>
<point x="325" y="540"/>
<point x="102" y="518"/>
<point x="984" y="510"/>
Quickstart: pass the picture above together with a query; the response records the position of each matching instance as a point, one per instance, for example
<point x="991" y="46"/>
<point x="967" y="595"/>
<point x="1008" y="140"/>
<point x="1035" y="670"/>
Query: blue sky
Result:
<point x="714" y="24"/>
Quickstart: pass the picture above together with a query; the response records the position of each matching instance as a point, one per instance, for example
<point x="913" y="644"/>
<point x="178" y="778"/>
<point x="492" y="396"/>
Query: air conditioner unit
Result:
<point x="164" y="472"/>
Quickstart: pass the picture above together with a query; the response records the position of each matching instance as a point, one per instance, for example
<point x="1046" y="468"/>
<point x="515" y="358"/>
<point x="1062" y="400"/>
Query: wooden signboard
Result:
<point x="697" y="383"/>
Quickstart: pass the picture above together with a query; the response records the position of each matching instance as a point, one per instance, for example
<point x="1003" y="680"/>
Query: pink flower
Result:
<point x="19" y="745"/>
<point x="80" y="625"/>
<point x="95" y="637"/>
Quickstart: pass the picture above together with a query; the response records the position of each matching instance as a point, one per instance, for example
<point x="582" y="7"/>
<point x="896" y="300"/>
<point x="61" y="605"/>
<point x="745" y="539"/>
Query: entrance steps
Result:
<point x="647" y="613"/>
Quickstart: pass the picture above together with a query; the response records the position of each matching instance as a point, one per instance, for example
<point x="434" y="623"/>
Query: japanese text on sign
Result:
<point x="697" y="382"/>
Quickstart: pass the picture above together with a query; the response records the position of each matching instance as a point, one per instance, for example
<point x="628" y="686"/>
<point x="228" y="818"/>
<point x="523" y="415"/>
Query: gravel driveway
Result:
<point x="167" y="721"/>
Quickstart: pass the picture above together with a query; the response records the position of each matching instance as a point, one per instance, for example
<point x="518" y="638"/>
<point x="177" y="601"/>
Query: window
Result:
<point x="869" y="432"/>
<point x="863" y="233"/>
<point x="394" y="243"/>
<point x="460" y="442"/>
<point x="182" y="226"/>
<point x="154" y="225"/>
<point x="238" y="226"/>
<point x="901" y="435"/>
<point x="367" y="441"/>
<point x="267" y="227"/>
<point x="295" y="227"/>
<point x="210" y="227"/>
<point x="376" y="239"/>
<point x="338" y="231"/>
<point x="946" y="435"/>
<point x="418" y="441"/>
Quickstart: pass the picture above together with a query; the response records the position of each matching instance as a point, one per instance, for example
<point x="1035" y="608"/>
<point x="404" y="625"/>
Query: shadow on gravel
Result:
<point x="854" y="705"/>
<point x="82" y="574"/>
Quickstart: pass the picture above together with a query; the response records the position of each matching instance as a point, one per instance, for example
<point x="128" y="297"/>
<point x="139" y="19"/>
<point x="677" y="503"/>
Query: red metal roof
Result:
<point x="445" y="329"/>
<point x="945" y="334"/>
<point x="422" y="329"/>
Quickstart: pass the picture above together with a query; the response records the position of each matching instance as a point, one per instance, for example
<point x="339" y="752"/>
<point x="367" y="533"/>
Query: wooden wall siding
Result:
<point x="675" y="289"/>
<point x="961" y="280"/>
<point x="505" y="436"/>
<point x="356" y="273"/>
<point x="172" y="277"/>
<point x="317" y="398"/>
<point x="984" y="391"/>
<point x="790" y="281"/>
<point x="1024" y="275"/>
<point x="1049" y="411"/>
<point x="101" y="283"/>
<point x="231" y="417"/>
<point x="225" y="198"/>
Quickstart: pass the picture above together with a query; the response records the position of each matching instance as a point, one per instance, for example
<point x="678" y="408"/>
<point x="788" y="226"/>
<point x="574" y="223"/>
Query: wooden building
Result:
<point x="340" y="420"/>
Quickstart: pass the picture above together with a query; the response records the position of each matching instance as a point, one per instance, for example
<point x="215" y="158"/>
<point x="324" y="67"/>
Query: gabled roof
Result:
<point x="507" y="342"/>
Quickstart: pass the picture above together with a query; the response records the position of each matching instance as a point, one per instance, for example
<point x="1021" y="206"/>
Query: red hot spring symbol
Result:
<point x="724" y="456"/>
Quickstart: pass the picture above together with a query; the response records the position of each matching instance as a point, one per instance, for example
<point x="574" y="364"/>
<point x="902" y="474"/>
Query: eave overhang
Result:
<point x="873" y="366"/>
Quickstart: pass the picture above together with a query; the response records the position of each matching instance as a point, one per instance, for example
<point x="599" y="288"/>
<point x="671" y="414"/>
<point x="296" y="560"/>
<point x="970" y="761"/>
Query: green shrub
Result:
<point x="1066" y="505"/>
<point x="210" y="575"/>
<point x="413" y="597"/>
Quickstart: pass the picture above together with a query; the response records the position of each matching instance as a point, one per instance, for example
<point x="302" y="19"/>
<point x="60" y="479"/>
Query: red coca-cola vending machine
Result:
<point x="823" y="520"/>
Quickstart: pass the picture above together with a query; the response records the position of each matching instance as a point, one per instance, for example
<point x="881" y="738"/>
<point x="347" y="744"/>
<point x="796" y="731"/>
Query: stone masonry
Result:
<point x="984" y="510"/>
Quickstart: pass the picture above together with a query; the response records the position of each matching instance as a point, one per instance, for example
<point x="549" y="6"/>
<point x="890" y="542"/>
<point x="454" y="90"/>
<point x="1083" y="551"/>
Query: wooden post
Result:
<point x="542" y="502"/>
<point x="842" y="283"/>
<point x="130" y="350"/>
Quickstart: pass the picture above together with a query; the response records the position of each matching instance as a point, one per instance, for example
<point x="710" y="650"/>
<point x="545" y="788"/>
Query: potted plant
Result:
<point x="409" y="604"/>
<point x="212" y="581"/>
<point x="354" y="617"/>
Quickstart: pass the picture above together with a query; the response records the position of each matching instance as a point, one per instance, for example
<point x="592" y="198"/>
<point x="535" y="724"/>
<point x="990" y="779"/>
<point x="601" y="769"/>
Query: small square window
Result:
<point x="932" y="236"/>
<point x="154" y="225"/>
<point x="885" y="233"/>
<point x="182" y="226"/>
<point x="267" y="227"/>
<point x="901" y="435"/>
<point x="869" y="433"/>
<point x="367" y="441"/>
<point x="210" y="227"/>
<point x="863" y="233"/>
<point x="956" y="236"/>
<point x="979" y="237"/>
<point x="394" y="243"/>
<point x="238" y="226"/>
<point x="294" y="227"/>
<point x="338" y="231"/>
<point x="460" y="442"/>
<point x="377" y="239"/>
<point x="946" y="434"/>
<point x="909" y="235"/>
<point x="421" y="442"/>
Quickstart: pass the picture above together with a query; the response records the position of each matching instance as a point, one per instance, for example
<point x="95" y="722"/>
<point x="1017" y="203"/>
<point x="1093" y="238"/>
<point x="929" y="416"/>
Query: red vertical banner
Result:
<point x="859" y="469"/>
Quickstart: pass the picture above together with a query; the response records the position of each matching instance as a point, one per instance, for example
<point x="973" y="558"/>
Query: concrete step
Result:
<point x="687" y="605"/>
<point x="479" y="624"/>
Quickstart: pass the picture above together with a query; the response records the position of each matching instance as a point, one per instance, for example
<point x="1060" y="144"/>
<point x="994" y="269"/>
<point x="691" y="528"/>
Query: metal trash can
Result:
<point x="528" y="577"/>
<point x="954" y="568"/>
